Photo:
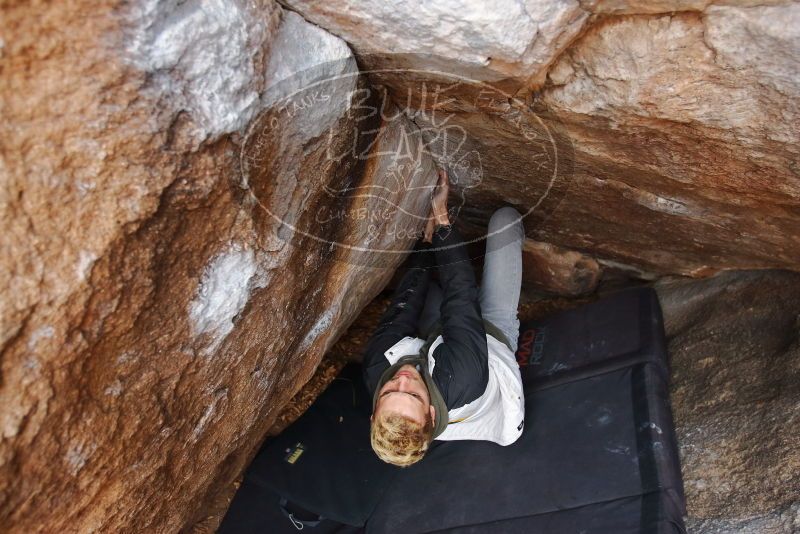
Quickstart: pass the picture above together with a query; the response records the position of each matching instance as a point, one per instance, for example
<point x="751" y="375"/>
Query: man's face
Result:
<point x="406" y="394"/>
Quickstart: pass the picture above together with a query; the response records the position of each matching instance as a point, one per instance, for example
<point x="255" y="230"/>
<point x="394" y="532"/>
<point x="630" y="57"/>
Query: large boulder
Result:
<point x="735" y="356"/>
<point x="659" y="135"/>
<point x="179" y="246"/>
<point x="507" y="42"/>
<point x="685" y="124"/>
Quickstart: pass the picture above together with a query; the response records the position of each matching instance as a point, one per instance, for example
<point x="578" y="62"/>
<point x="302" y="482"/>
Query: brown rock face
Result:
<point x="183" y="239"/>
<point x="733" y="341"/>
<point x="684" y="140"/>
<point x="666" y="142"/>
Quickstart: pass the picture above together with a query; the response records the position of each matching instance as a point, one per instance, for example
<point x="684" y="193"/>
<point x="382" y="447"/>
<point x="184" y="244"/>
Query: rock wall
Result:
<point x="672" y="123"/>
<point x="735" y="356"/>
<point x="175" y="255"/>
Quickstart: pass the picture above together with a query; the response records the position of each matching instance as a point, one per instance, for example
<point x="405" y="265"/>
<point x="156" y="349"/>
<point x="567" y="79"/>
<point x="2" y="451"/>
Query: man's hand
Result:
<point x="438" y="214"/>
<point x="428" y="236"/>
<point x="439" y="200"/>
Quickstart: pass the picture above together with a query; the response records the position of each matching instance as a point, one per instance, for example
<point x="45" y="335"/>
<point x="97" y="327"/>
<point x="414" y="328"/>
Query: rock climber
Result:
<point x="441" y="364"/>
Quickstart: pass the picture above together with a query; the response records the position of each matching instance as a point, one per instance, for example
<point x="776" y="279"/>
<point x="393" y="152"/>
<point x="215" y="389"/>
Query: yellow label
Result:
<point x="295" y="453"/>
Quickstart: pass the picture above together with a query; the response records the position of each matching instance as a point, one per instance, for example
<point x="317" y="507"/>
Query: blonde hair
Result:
<point x="399" y="440"/>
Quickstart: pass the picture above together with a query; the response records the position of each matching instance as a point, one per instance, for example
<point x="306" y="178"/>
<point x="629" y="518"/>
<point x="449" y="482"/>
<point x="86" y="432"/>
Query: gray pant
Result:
<point x="502" y="277"/>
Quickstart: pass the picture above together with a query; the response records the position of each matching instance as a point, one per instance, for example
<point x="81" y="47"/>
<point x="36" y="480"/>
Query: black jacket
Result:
<point x="462" y="360"/>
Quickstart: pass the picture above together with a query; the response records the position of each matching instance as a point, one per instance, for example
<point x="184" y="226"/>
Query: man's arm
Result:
<point x="401" y="317"/>
<point x="462" y="360"/>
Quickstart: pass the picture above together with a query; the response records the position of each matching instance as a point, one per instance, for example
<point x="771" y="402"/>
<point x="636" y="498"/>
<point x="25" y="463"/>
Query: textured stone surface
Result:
<point x="185" y="233"/>
<point x="734" y="341"/>
<point x="507" y="41"/>
<point x="167" y="285"/>
<point x="685" y="124"/>
<point x="556" y="270"/>
<point x="671" y="136"/>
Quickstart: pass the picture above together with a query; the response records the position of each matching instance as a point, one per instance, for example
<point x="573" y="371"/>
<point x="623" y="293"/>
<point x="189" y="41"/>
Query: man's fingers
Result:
<point x="443" y="183"/>
<point x="429" y="230"/>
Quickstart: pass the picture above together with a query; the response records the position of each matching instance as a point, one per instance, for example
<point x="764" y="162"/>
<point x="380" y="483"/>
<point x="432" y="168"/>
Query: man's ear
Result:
<point x="433" y="413"/>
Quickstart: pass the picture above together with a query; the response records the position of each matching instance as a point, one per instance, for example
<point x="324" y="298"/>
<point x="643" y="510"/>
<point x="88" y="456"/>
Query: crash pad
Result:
<point x="598" y="453"/>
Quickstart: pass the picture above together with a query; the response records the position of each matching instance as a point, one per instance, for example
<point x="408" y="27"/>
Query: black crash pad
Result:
<point x="597" y="440"/>
<point x="598" y="453"/>
<point x="614" y="332"/>
<point x="322" y="464"/>
<point x="597" y="456"/>
<point x="256" y="509"/>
